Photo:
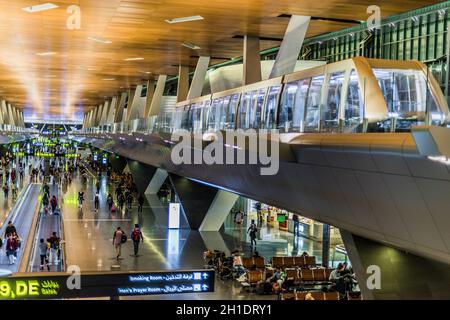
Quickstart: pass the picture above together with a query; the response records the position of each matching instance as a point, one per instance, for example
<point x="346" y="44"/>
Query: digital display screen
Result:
<point x="60" y="286"/>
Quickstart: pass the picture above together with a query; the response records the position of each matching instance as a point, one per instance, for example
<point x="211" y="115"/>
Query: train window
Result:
<point x="287" y="106"/>
<point x="353" y="109"/>
<point x="255" y="110"/>
<point x="313" y="104"/>
<point x="243" y="110"/>
<point x="271" y="107"/>
<point x="407" y="96"/>
<point x="222" y="111"/>
<point x="214" y="114"/>
<point x="232" y="106"/>
<point x="205" y="116"/>
<point x="196" y="111"/>
<point x="177" y="118"/>
<point x="330" y="111"/>
<point x="185" y="123"/>
<point x="299" y="106"/>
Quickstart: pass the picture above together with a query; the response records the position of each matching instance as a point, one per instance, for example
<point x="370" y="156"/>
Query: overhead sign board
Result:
<point x="53" y="286"/>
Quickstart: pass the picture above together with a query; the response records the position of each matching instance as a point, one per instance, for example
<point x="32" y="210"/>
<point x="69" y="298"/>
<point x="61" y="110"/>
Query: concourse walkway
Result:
<point x="22" y="216"/>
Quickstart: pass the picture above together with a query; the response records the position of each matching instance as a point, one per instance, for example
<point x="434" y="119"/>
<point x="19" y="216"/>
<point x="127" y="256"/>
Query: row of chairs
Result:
<point x="280" y="262"/>
<point x="318" y="296"/>
<point x="314" y="295"/>
<point x="308" y="275"/>
<point x="289" y="262"/>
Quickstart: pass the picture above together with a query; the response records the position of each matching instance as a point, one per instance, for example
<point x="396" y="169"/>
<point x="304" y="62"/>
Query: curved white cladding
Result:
<point x="230" y="77"/>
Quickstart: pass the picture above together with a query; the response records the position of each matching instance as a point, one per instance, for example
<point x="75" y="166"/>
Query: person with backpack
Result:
<point x="136" y="236"/>
<point x="80" y="199"/>
<point x="43" y="254"/>
<point x="119" y="238"/>
<point x="11" y="248"/>
<point x="53" y="203"/>
<point x="252" y="230"/>
<point x="109" y="201"/>
<point x="96" y="202"/>
<point x="10" y="229"/>
<point x="55" y="242"/>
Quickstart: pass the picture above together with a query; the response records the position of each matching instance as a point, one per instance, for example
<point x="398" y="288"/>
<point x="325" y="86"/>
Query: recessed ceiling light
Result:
<point x="133" y="59"/>
<point x="40" y="7"/>
<point x="184" y="19"/>
<point x="46" y="53"/>
<point x="146" y="72"/>
<point x="100" y="39"/>
<point x="109" y="79"/>
<point x="191" y="46"/>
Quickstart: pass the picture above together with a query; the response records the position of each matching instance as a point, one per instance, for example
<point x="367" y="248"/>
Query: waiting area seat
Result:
<point x="313" y="295"/>
<point x="289" y="262"/>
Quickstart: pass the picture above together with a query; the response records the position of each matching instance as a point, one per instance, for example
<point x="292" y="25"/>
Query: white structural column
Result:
<point x="5" y="118"/>
<point x="17" y="117"/>
<point x="290" y="46"/>
<point x="155" y="106"/>
<point x="118" y="117"/>
<point x="94" y="115"/>
<point x="89" y="118"/>
<point x="10" y="115"/>
<point x="99" y="114"/>
<point x="104" y="112"/>
<point x="2" y="112"/>
<point x="150" y="92"/>
<point x="252" y="60"/>
<point x="157" y="181"/>
<point x="198" y="80"/>
<point x="218" y="211"/>
<point x="111" y="111"/>
<point x="126" y="109"/>
<point x="183" y="83"/>
<point x="137" y="108"/>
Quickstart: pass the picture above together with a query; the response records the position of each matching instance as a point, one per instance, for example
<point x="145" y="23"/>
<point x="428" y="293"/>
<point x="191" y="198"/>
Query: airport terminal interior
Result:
<point x="224" y="150"/>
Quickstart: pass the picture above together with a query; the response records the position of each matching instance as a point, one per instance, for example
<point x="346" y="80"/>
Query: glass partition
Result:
<point x="408" y="97"/>
<point x="354" y="105"/>
<point x="231" y="112"/>
<point x="287" y="106"/>
<point x="313" y="104"/>
<point x="255" y="110"/>
<point x="330" y="111"/>
<point x="243" y="110"/>
<point x="271" y="107"/>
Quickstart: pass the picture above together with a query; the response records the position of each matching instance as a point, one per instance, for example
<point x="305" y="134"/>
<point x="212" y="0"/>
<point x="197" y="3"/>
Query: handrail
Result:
<point x="28" y="252"/>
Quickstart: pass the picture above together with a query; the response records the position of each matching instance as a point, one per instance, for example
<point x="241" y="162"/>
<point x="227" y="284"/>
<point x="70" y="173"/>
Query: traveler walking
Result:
<point x="119" y="238"/>
<point x="10" y="229"/>
<point x="55" y="242"/>
<point x="109" y="201"/>
<point x="80" y="199"/>
<point x="43" y="253"/>
<point x="96" y="202"/>
<point x="11" y="248"/>
<point x="252" y="230"/>
<point x="136" y="236"/>
<point x="6" y="189"/>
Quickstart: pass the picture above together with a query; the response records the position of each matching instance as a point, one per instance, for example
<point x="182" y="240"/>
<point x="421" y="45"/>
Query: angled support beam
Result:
<point x="155" y="106"/>
<point x="10" y="115"/>
<point x="4" y="109"/>
<point x="199" y="78"/>
<point x="157" y="181"/>
<point x="290" y="46"/>
<point x="150" y="93"/>
<point x="112" y="110"/>
<point x="118" y="117"/>
<point x="252" y="60"/>
<point x="183" y="83"/>
<point x="104" y="112"/>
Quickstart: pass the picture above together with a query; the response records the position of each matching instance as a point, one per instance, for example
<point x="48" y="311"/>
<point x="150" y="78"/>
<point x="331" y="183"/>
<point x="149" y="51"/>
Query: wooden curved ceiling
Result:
<point x="72" y="81"/>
